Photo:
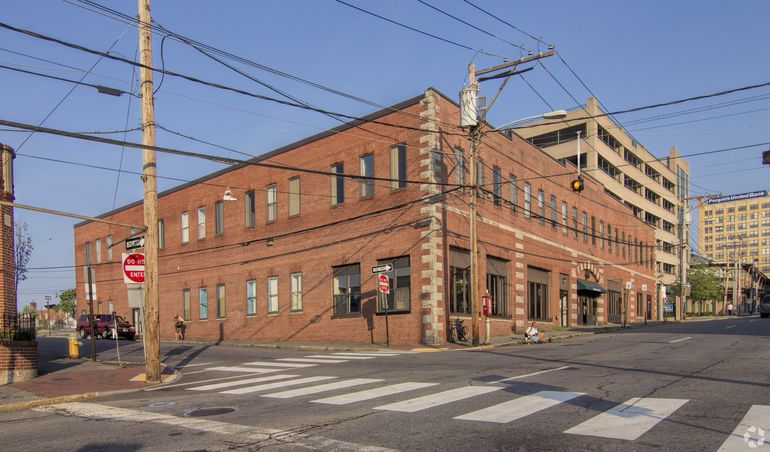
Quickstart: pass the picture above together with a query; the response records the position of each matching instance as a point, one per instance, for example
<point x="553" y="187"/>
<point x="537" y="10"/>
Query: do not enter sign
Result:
<point x="133" y="268"/>
<point x="384" y="284"/>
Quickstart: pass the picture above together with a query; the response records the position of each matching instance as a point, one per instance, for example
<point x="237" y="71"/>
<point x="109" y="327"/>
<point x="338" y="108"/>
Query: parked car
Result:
<point x="104" y="325"/>
<point x="764" y="306"/>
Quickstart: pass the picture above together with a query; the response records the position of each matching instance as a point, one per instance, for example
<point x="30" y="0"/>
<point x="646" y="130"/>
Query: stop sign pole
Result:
<point x="383" y="286"/>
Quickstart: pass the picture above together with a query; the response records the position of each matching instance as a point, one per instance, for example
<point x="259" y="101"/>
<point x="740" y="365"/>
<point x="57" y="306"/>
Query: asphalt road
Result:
<point x="670" y="387"/>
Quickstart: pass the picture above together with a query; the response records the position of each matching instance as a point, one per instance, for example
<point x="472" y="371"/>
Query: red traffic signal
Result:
<point x="577" y="185"/>
<point x="766" y="158"/>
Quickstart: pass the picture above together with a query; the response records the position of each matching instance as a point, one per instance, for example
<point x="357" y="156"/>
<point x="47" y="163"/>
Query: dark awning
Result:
<point x="584" y="285"/>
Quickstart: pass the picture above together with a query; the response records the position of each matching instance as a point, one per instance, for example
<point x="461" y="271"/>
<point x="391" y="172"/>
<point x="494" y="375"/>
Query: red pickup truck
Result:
<point x="104" y="325"/>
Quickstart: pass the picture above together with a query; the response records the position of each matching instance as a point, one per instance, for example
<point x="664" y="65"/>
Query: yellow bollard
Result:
<point x="74" y="350"/>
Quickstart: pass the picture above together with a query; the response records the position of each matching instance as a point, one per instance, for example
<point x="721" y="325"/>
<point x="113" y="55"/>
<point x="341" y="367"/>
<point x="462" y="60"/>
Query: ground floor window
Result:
<point x="639" y="304"/>
<point x="296" y="291"/>
<point x="272" y="295"/>
<point x="497" y="285"/>
<point x="203" y="300"/>
<point x="251" y="297"/>
<point x="186" y="304"/>
<point x="537" y="293"/>
<point x="220" y="301"/>
<point x="347" y="289"/>
<point x="614" y="306"/>
<point x="400" y="281"/>
<point x="459" y="282"/>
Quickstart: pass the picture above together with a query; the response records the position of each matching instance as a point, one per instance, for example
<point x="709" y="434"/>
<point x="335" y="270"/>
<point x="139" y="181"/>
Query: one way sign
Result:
<point x="135" y="242"/>
<point x="382" y="268"/>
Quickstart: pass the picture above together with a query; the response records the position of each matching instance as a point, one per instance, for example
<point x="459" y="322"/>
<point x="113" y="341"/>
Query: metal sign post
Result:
<point x="383" y="284"/>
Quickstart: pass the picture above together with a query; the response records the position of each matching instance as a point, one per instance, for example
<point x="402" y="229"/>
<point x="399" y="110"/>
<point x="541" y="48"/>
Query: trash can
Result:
<point x="74" y="347"/>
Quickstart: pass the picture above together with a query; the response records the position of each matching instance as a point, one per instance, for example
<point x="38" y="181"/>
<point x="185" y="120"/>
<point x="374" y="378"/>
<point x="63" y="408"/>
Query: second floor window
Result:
<point x="271" y="199"/>
<point x="201" y="223"/>
<point x="296" y="291"/>
<point x="249" y="208"/>
<point x="398" y="166"/>
<point x="161" y="234"/>
<point x="294" y="196"/>
<point x="541" y="206"/>
<point x="338" y="184"/>
<point x="98" y="244"/>
<point x="251" y="297"/>
<point x="109" y="247"/>
<point x="497" y="185"/>
<point x="272" y="295"/>
<point x="219" y="217"/>
<point x="366" y="169"/>
<point x="460" y="166"/>
<point x="514" y="192"/>
<point x="185" y="227"/>
<point x="221" y="301"/>
<point x="527" y="199"/>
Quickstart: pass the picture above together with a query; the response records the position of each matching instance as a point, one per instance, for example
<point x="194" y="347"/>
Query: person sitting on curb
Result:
<point x="532" y="335"/>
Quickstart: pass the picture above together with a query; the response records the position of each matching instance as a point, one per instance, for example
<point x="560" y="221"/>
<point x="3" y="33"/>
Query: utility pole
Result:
<point x="469" y="119"/>
<point x="149" y="172"/>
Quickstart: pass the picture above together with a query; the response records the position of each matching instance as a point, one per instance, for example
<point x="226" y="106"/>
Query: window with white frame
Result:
<point x="527" y="200"/>
<point x="366" y="169"/>
<point x="251" y="297"/>
<point x="398" y="166"/>
<point x="186" y="304"/>
<point x="109" y="248"/>
<point x="400" y="281"/>
<point x="221" y="311"/>
<point x="98" y="246"/>
<point x="249" y="208"/>
<point x="201" y="223"/>
<point x="203" y="303"/>
<point x="161" y="234"/>
<point x="270" y="192"/>
<point x="346" y="282"/>
<point x="272" y="295"/>
<point x="296" y="291"/>
<point x="338" y="184"/>
<point x="185" y="227"/>
<point x="294" y="196"/>
<point x="219" y="217"/>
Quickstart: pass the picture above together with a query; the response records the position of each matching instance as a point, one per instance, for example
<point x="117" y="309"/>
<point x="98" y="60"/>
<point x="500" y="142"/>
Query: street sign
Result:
<point x="134" y="243"/>
<point x="644" y="287"/>
<point x="382" y="268"/>
<point x="383" y="284"/>
<point x="133" y="268"/>
<point x="628" y="285"/>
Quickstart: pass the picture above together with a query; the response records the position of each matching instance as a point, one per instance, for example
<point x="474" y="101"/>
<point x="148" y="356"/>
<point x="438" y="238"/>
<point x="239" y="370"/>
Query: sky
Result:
<point x="629" y="54"/>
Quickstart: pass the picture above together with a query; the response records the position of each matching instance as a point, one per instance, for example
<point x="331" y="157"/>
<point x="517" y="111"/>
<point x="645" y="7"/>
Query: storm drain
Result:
<point x="202" y="412"/>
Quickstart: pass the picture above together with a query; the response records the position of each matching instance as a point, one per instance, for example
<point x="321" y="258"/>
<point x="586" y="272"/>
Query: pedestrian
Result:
<point x="730" y="309"/>
<point x="179" y="328"/>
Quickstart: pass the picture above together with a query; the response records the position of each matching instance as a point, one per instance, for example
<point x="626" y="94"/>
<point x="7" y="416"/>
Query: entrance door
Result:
<point x="586" y="310"/>
<point x="564" y="307"/>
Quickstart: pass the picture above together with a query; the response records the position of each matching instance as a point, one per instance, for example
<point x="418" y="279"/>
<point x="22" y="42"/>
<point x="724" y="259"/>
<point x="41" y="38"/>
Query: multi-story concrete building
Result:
<point x="292" y="258"/>
<point x="655" y="189"/>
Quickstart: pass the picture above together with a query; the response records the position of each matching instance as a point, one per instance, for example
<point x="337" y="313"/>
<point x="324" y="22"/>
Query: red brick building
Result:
<point x="291" y="258"/>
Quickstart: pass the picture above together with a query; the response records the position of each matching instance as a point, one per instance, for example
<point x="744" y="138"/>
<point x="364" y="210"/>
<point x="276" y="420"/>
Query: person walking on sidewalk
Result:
<point x="730" y="309"/>
<point x="178" y="328"/>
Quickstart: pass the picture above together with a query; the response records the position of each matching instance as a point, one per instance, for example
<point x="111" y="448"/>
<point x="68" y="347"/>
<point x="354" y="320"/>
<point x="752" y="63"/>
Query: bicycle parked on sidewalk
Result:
<point x="458" y="332"/>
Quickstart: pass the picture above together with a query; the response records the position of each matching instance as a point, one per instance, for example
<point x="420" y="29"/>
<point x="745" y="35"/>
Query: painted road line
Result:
<point x="313" y="360"/>
<point x="229" y="384"/>
<point x="758" y="417"/>
<point x="518" y="408"/>
<point x="728" y="327"/>
<point x="276" y="385"/>
<point x="519" y="377"/>
<point x="365" y="354"/>
<point x="440" y="398"/>
<point x="174" y="385"/>
<point x="680" y="340"/>
<point x="328" y="357"/>
<point x="274" y="364"/>
<point x="629" y="420"/>
<point x="322" y="388"/>
<point x="253" y="370"/>
<point x="195" y="365"/>
<point x="247" y="434"/>
<point x="369" y="394"/>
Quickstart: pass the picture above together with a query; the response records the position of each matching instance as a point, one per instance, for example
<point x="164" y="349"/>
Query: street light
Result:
<point x="556" y="114"/>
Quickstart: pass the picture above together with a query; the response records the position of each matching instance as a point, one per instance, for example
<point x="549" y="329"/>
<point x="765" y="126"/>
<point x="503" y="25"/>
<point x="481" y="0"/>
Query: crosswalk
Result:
<point x="626" y="421"/>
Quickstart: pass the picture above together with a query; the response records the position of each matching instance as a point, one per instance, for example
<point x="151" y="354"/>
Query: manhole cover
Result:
<point x="201" y="412"/>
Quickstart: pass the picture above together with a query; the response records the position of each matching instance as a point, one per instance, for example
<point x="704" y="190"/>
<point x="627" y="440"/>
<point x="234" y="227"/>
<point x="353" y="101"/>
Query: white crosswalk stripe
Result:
<point x="275" y="364"/>
<point x="629" y="420"/>
<point x="518" y="408"/>
<point x="369" y="394"/>
<point x="331" y="357"/>
<point x="373" y="354"/>
<point x="758" y="417"/>
<point x="276" y="385"/>
<point x="322" y="388"/>
<point x="313" y="360"/>
<point x="253" y="370"/>
<point x="441" y="398"/>
<point x="229" y="384"/>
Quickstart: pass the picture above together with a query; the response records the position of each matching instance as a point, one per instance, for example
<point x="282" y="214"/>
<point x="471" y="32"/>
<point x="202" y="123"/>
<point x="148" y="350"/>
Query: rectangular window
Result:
<point x="554" y="213"/>
<point x="221" y="301"/>
<point x="497" y="285"/>
<point x="272" y="295"/>
<point x="460" y="166"/>
<point x="347" y="289"/>
<point x="271" y="202"/>
<point x="219" y="217"/>
<point x="593" y="230"/>
<point x="109" y="248"/>
<point x="623" y="242"/>
<point x="251" y="297"/>
<point x="497" y="185"/>
<point x="575" y="221"/>
<point x="398" y="166"/>
<point x="541" y="206"/>
<point x="294" y="196"/>
<point x="185" y="227"/>
<point x="527" y="200"/>
<point x="601" y="234"/>
<point x="338" y="184"/>
<point x="186" y="304"/>
<point x="480" y="172"/>
<point x="617" y="242"/>
<point x="201" y="223"/>
<point x="564" y="214"/>
<point x="366" y="169"/>
<point x="459" y="281"/>
<point x="203" y="300"/>
<point x="249" y="207"/>
<point x="537" y="291"/>
<point x="585" y="227"/>
<point x="296" y="291"/>
<point x="513" y="192"/>
<point x="98" y="247"/>
<point x="400" y="280"/>
<point x="161" y="234"/>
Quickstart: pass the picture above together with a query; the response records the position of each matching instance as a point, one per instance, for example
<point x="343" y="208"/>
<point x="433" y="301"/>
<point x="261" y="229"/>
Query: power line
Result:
<point x="506" y="23"/>
<point x="99" y="88"/>
<point x="726" y="115"/>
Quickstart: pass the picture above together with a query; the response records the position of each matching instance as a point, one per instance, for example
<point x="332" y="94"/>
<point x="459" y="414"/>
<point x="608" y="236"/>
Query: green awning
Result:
<point x="590" y="286"/>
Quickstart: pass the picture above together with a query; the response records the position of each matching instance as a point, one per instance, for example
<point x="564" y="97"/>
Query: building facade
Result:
<point x="292" y="257"/>
<point x="655" y="189"/>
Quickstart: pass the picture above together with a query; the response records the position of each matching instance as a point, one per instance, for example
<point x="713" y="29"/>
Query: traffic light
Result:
<point x="577" y="185"/>
<point x="766" y="157"/>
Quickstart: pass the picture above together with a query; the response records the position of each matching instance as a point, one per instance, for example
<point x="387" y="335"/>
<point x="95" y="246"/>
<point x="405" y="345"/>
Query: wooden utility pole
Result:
<point x="149" y="172"/>
<point x="473" y="136"/>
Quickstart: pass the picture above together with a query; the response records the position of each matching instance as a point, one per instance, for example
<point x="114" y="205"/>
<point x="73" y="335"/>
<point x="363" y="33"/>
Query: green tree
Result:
<point x="28" y="310"/>
<point x="67" y="302"/>
<point x="705" y="284"/>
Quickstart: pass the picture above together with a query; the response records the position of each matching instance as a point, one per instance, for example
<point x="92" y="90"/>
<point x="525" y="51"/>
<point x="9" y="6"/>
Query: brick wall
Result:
<point x="18" y="361"/>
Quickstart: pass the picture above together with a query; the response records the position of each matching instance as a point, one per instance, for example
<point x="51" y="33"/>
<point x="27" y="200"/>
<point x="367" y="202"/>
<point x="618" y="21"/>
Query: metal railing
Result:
<point x="18" y="327"/>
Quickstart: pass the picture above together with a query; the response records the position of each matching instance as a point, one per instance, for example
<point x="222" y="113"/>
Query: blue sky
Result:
<point x="629" y="53"/>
